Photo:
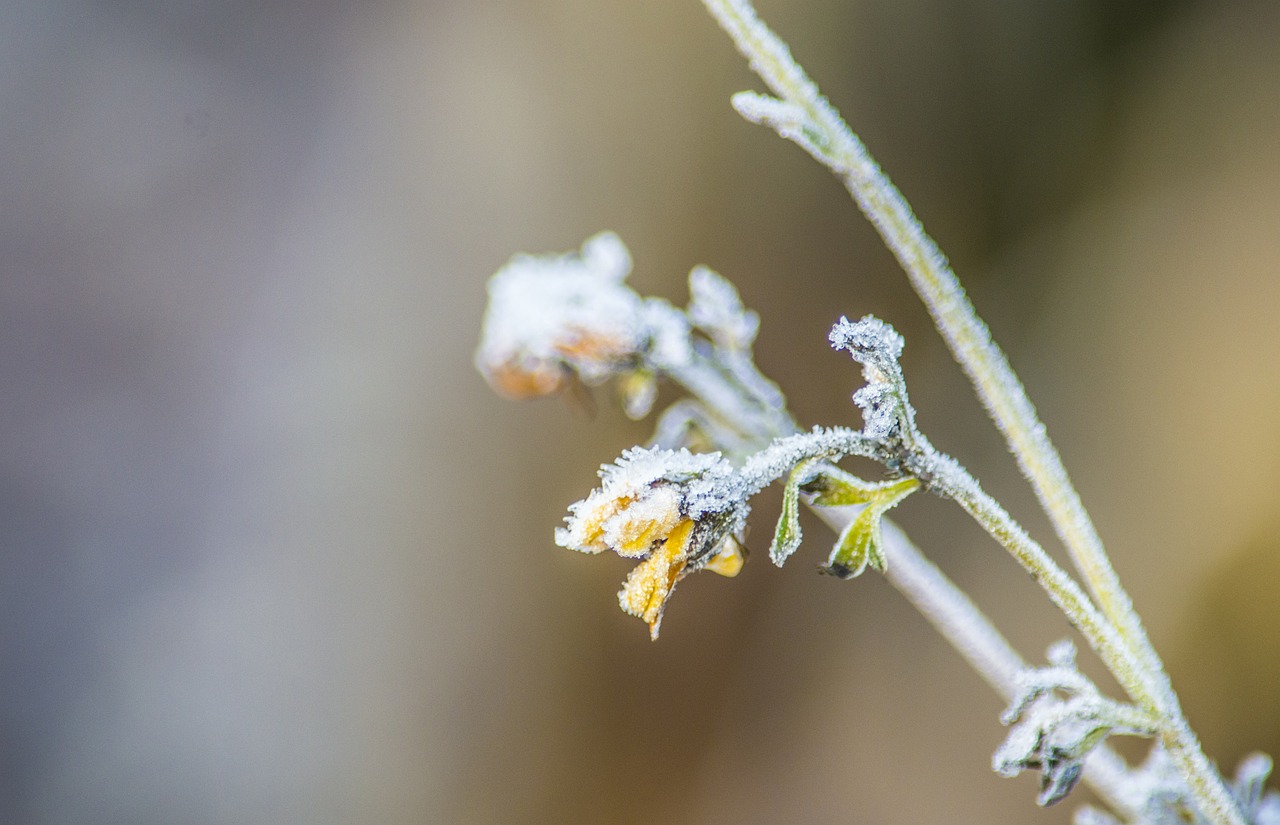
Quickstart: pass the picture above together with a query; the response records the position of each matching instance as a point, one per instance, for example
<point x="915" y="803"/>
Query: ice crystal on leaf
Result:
<point x="677" y="511"/>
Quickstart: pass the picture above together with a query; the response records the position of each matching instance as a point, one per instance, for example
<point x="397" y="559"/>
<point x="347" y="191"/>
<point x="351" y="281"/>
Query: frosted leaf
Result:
<point x="554" y="315"/>
<point x="716" y="309"/>
<point x="1054" y="735"/>
<point x="869" y="337"/>
<point x="787" y="119"/>
<point x="769" y="111"/>
<point x="1016" y="751"/>
<point x="877" y="346"/>
<point x="1251" y="779"/>
<point x="880" y="410"/>
<point x="1249" y="787"/>
<point x="1062" y="653"/>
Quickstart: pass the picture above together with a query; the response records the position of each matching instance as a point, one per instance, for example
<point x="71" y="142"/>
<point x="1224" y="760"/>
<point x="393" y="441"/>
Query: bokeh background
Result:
<point x="272" y="552"/>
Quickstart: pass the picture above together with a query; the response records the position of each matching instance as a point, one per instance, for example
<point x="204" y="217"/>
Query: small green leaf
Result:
<point x="833" y="487"/>
<point x="890" y="493"/>
<point x="852" y="550"/>
<point x="861" y="543"/>
<point x="875" y="548"/>
<point x="786" y="538"/>
<point x="1093" y="738"/>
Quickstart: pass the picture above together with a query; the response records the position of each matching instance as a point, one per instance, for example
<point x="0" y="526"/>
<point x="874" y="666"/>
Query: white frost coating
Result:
<point x="716" y="308"/>
<point x="605" y="254"/>
<point x="869" y="335"/>
<point x="787" y="119"/>
<point x="970" y="341"/>
<point x="707" y="483"/>
<point x="1054" y="735"/>
<point x="551" y="313"/>
<point x="668" y="331"/>
<point x="880" y="406"/>
<point x="676" y="511"/>
<point x="767" y="110"/>
<point x="883" y="401"/>
<point x="763" y="468"/>
<point x="1250" y="788"/>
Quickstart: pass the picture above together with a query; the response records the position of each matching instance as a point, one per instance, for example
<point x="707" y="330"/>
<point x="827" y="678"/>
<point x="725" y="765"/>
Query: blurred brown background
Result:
<point x="273" y="553"/>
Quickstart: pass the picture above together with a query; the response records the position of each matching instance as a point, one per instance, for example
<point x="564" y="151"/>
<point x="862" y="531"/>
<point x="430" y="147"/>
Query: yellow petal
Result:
<point x="587" y="521"/>
<point x="641" y="523"/>
<point x="729" y="559"/>
<point x="647" y="589"/>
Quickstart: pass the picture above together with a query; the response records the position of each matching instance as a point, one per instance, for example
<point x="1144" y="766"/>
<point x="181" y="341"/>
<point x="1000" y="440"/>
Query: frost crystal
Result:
<point x="675" y="510"/>
<point x="551" y="316"/>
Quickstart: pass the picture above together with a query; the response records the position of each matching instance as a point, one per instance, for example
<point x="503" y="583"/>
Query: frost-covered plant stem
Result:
<point x="958" y="620"/>
<point x="943" y="604"/>
<point x="1150" y="690"/>
<point x="800" y="113"/>
<point x="946" y="477"/>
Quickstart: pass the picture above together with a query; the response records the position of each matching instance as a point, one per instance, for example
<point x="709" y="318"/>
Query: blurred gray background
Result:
<point x="273" y="553"/>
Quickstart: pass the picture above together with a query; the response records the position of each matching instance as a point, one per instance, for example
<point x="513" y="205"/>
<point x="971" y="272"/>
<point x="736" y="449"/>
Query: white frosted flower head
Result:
<point x="676" y="511"/>
<point x="550" y="317"/>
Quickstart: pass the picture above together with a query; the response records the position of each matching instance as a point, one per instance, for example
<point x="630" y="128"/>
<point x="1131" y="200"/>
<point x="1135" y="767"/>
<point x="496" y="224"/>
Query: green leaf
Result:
<point x="786" y="538"/>
<point x="891" y="492"/>
<point x="833" y="487"/>
<point x="853" y="549"/>
<point x="861" y="543"/>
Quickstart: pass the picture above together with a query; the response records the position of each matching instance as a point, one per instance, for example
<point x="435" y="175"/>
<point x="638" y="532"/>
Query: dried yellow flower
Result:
<point x="676" y="511"/>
